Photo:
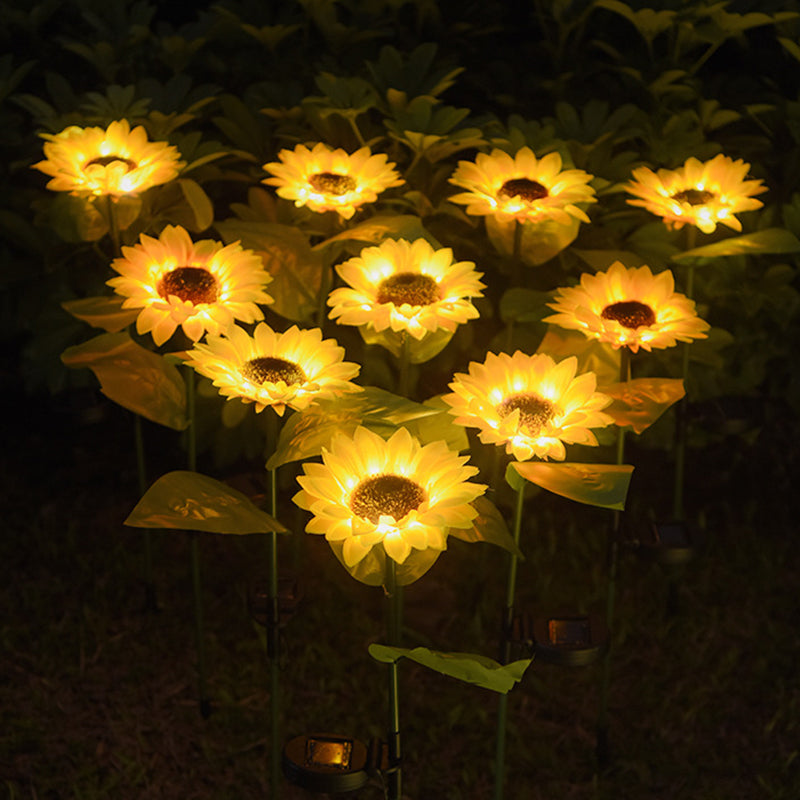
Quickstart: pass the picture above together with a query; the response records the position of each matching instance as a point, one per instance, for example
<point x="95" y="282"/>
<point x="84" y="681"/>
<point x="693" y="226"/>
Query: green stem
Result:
<point x="404" y="376"/>
<point x="394" y="617"/>
<point x="681" y="409"/>
<point x="205" y="703"/>
<point x="113" y="226"/>
<point x="356" y="131"/>
<point x="508" y="618"/>
<point x="273" y="643"/>
<point x="611" y="585"/>
<point x="151" y="603"/>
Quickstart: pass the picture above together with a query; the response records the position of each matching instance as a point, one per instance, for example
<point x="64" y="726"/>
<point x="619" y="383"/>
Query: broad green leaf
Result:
<point x="135" y="378"/>
<point x="771" y="240"/>
<point x="102" y="312"/>
<point x="199" y="202"/>
<point x="647" y="21"/>
<point x="640" y="402"/>
<point x="295" y="268"/>
<point x="540" y="241"/>
<point x="371" y="570"/>
<point x="593" y="356"/>
<point x="603" y="485"/>
<point x="420" y="350"/>
<point x="468" y="667"/>
<point x="439" y="426"/>
<point x="190" y="501"/>
<point x="376" y="229"/>
<point x="489" y="526"/>
<point x="306" y="433"/>
<point x="603" y="259"/>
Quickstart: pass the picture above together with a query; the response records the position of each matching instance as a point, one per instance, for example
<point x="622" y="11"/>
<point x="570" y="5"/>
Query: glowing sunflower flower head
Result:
<point x="331" y="180"/>
<point x="699" y="193"/>
<point x="628" y="308"/>
<point x="200" y="286"/>
<point x="529" y="403"/>
<point x="114" y="161"/>
<point x="406" y="286"/>
<point x="294" y="368"/>
<point x="522" y="187"/>
<point x="398" y="493"/>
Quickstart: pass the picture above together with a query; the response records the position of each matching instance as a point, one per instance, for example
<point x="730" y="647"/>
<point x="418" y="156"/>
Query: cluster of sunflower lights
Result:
<point x="382" y="477"/>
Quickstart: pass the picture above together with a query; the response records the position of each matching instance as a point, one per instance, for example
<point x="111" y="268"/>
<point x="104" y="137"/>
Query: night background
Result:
<point x="98" y="673"/>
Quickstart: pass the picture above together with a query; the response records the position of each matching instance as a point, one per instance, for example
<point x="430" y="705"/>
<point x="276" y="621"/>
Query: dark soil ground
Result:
<point x="98" y="694"/>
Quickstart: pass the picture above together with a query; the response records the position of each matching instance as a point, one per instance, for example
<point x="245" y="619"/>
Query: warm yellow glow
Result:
<point x="114" y="161"/>
<point x="698" y="193"/>
<point x="369" y="491"/>
<point x="531" y="404"/>
<point x="325" y="179"/>
<point x="200" y="286"/>
<point x="522" y="187"/>
<point x="291" y="369"/>
<point x="628" y="308"/>
<point x="406" y="286"/>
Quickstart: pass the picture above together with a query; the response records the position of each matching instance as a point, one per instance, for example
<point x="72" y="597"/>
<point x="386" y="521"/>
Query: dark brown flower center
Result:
<point x="630" y="314"/>
<point x="694" y="197"/>
<point x="523" y="187"/>
<point x="386" y="495"/>
<point x="409" y="287"/>
<point x="534" y="411"/>
<point x="331" y="183"/>
<point x="195" y="284"/>
<point x="104" y="161"/>
<point x="268" y="369"/>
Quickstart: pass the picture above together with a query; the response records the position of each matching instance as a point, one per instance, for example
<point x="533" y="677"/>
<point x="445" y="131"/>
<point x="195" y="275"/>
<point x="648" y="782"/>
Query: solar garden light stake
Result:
<point x="505" y="654"/>
<point x="394" y="621"/>
<point x="611" y="583"/>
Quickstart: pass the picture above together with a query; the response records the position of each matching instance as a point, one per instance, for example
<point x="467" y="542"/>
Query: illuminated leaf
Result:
<point x="540" y="240"/>
<point x="420" y="350"/>
<point x="306" y="433"/>
<point x="489" y="526"/>
<point x="295" y="268"/>
<point x="468" y="667"/>
<point x="376" y="229"/>
<point x="199" y="202"/>
<point x="102" y="312"/>
<point x="190" y="501"/>
<point x="603" y="485"/>
<point x="771" y="240"/>
<point x="593" y="356"/>
<point x="371" y="570"/>
<point x="524" y="305"/>
<point x="640" y="402"/>
<point x="135" y="378"/>
<point x="439" y="426"/>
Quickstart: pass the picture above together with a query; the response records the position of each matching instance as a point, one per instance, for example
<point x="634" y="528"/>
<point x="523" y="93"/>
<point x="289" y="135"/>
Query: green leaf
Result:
<point x="376" y="229"/>
<point x="135" y="378"/>
<point x="190" y="501"/>
<point x="540" y="240"/>
<point x="603" y="485"/>
<point x="468" y="667"/>
<point x="593" y="356"/>
<point x="439" y="426"/>
<point x="199" y="202"/>
<point x="420" y="350"/>
<point x="489" y="526"/>
<point x="102" y="312"/>
<point x="371" y="570"/>
<point x="771" y="240"/>
<point x="295" y="268"/>
<point x="306" y="433"/>
<point x="640" y="402"/>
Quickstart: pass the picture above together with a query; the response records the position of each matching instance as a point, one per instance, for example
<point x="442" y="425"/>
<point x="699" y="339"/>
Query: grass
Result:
<point x="99" y="700"/>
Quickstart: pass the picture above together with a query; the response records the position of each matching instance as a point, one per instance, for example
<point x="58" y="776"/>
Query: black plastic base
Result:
<point x="326" y="763"/>
<point x="668" y="543"/>
<point x="568" y="639"/>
